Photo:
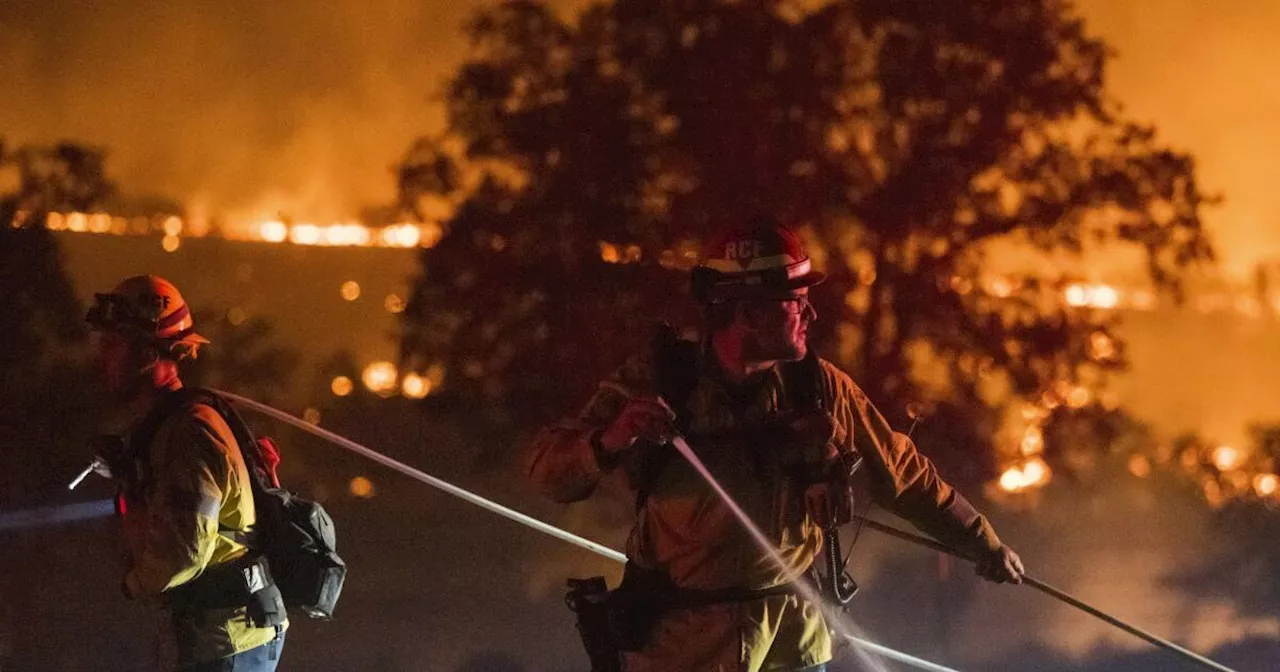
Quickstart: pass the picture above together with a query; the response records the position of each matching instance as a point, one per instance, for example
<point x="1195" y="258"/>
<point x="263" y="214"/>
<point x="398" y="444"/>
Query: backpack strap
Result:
<point x="675" y="369"/>
<point x="145" y="434"/>
<point x="802" y="384"/>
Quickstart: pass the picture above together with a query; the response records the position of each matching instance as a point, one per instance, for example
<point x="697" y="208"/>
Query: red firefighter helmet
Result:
<point x="759" y="259"/>
<point x="151" y="307"/>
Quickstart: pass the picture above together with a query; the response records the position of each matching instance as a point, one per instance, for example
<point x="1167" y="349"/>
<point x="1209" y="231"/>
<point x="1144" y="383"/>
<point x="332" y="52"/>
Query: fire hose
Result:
<point x="617" y="556"/>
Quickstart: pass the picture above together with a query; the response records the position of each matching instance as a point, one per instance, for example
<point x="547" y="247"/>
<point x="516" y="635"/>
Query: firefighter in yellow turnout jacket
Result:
<point x="792" y="483"/>
<point x="186" y="502"/>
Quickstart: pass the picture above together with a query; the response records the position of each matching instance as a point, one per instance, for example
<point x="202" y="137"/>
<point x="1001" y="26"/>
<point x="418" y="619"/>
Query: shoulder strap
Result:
<point x="802" y="383"/>
<point x="146" y="431"/>
<point x="245" y="438"/>
<point x="144" y="434"/>
<point x="248" y="444"/>
<point x="675" y="369"/>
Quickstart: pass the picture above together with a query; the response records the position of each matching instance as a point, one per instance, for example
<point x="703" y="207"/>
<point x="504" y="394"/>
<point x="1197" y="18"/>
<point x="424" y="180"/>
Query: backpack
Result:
<point x="295" y="535"/>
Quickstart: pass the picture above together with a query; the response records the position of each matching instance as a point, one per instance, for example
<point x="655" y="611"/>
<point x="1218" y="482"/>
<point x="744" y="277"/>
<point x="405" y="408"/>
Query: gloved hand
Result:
<point x="108" y="455"/>
<point x="814" y="433"/>
<point x="1001" y="566"/>
<point x="829" y="503"/>
<point x="648" y="418"/>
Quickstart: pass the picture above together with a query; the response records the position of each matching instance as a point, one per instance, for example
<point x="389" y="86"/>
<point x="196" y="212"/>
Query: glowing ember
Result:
<point x="304" y="234"/>
<point x="1079" y="397"/>
<point x="1226" y="458"/>
<point x="415" y="386"/>
<point x="609" y="253"/>
<point x="1139" y="466"/>
<point x="1265" y="484"/>
<point x="1105" y="297"/>
<point x="1032" y="441"/>
<point x="1012" y="479"/>
<point x="393" y="303"/>
<point x="380" y="378"/>
<point x="350" y="290"/>
<point x="341" y="234"/>
<point x="1036" y="472"/>
<point x="1100" y="296"/>
<point x="273" y="231"/>
<point x="362" y="487"/>
<point x="341" y="386"/>
<point x="1102" y="345"/>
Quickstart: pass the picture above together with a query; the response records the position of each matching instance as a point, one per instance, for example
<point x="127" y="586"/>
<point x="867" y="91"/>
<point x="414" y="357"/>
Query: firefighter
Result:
<point x="697" y="594"/>
<point x="185" y="498"/>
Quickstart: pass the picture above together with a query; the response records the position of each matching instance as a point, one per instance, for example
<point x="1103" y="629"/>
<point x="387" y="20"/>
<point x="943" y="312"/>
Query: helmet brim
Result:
<point x="190" y="339"/>
<point x="750" y="286"/>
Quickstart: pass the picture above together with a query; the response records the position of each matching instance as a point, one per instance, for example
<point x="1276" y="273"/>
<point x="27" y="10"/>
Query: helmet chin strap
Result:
<point x="145" y="380"/>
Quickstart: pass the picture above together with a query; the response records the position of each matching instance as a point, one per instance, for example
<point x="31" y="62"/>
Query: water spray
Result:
<point x="806" y="591"/>
<point x="56" y="515"/>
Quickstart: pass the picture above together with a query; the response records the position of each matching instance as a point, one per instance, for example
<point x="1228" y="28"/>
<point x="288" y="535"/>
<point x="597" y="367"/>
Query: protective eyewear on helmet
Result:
<point x="797" y="304"/>
<point x="111" y="309"/>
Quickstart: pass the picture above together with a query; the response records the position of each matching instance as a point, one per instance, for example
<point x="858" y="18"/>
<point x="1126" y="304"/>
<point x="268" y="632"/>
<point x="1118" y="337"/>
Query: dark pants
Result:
<point x="262" y="659"/>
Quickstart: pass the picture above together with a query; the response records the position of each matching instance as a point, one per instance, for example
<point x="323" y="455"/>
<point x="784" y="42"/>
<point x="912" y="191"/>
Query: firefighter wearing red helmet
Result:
<point x="778" y="426"/>
<point x="185" y="497"/>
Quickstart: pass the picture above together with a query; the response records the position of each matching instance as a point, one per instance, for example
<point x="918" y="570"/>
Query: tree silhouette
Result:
<point x="41" y="321"/>
<point x="45" y="410"/>
<point x="584" y="162"/>
<point x="44" y="399"/>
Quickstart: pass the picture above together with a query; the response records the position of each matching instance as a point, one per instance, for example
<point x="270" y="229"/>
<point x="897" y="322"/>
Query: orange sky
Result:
<point x="1204" y="72"/>
<point x="290" y="102"/>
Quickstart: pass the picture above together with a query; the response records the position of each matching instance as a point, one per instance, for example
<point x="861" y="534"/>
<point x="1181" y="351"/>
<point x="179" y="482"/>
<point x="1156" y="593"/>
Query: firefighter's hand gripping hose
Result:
<point x="516" y="516"/>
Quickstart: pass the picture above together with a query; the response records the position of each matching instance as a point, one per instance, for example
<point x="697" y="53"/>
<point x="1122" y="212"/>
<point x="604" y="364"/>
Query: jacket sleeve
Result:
<point x="562" y="461"/>
<point x="177" y="537"/>
<point x="902" y="480"/>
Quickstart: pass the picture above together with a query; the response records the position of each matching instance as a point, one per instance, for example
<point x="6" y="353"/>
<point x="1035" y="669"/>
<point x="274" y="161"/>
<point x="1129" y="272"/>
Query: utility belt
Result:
<point x="623" y="619"/>
<point x="243" y="582"/>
